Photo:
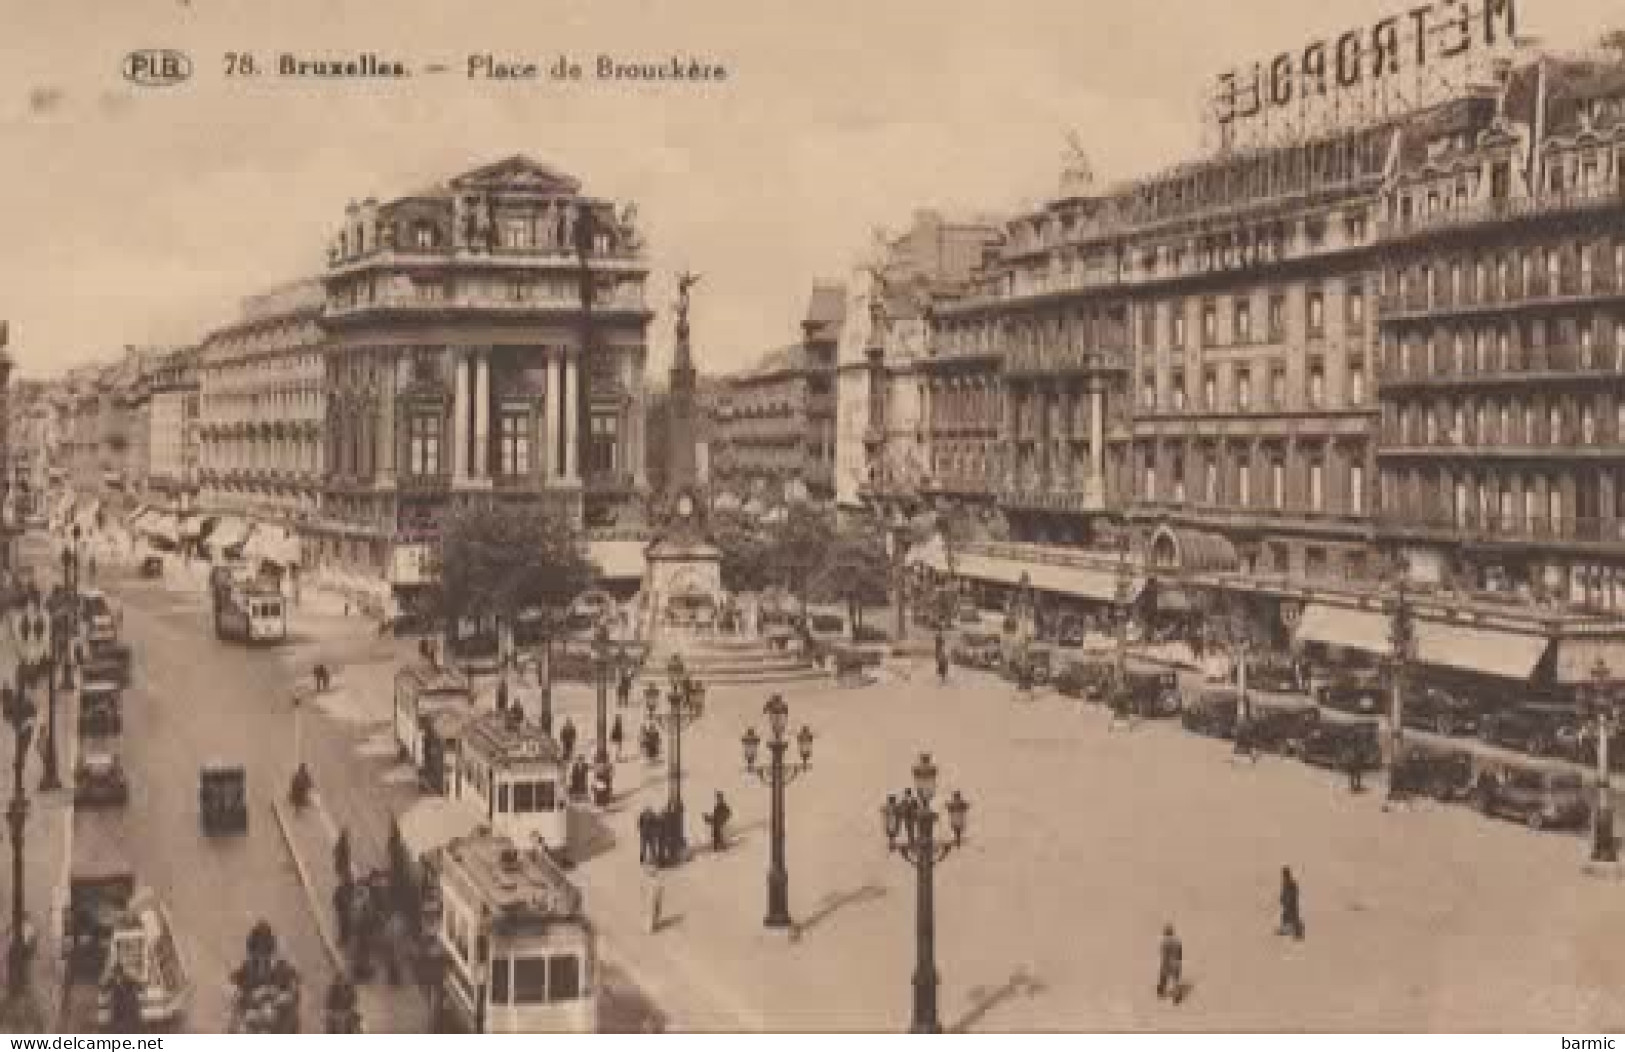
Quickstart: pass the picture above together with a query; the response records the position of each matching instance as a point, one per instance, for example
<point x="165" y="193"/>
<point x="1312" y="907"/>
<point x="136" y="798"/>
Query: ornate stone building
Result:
<point x="1503" y="338"/>
<point x="261" y="411"/>
<point x="487" y="341"/>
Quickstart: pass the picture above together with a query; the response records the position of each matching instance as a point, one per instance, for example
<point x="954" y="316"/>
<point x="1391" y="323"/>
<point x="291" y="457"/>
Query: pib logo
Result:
<point x="157" y="67"/>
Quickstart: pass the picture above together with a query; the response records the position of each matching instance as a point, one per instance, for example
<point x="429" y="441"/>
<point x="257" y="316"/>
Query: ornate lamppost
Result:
<point x="913" y="820"/>
<point x="897" y="549"/>
<point x="685" y="701"/>
<point x="777" y="775"/>
<point x="1604" y="702"/>
<point x="21" y="714"/>
<point x="603" y="658"/>
<point x="1401" y="654"/>
<point x="37" y="647"/>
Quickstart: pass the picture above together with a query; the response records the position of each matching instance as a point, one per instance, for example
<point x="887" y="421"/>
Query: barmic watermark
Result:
<point x="1590" y="1044"/>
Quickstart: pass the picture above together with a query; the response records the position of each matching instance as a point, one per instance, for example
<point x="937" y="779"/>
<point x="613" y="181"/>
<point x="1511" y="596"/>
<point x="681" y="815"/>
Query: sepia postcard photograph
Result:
<point x="742" y="516"/>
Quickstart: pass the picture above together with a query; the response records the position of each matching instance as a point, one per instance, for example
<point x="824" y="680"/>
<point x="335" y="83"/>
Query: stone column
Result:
<point x="459" y="418"/>
<point x="481" y="468"/>
<point x="1097" y="430"/>
<point x="553" y="442"/>
<point x="386" y="423"/>
<point x="572" y="420"/>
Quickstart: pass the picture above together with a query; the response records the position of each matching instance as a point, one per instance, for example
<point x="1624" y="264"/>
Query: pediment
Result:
<point x="518" y="173"/>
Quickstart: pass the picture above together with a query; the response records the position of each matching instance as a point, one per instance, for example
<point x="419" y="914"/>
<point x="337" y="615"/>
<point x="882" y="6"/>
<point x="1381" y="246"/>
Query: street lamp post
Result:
<point x="602" y="657"/>
<point x="1122" y="586"/>
<point x="915" y="822"/>
<point x="20" y="713"/>
<point x="896" y="541"/>
<point x="1604" y="847"/>
<point x="1401" y="652"/>
<point x="686" y="703"/>
<point x="36" y="645"/>
<point x="777" y="775"/>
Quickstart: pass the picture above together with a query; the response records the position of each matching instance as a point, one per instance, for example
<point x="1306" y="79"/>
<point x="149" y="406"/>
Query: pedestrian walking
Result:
<point x="344" y="908"/>
<point x="341" y="855"/>
<point x="1291" y="913"/>
<point x="502" y="694"/>
<point x="617" y="735"/>
<point x="567" y="737"/>
<point x="1355" y="766"/>
<point x="653" y="894"/>
<point x="718" y="821"/>
<point x="1170" y="973"/>
<point x="647" y="855"/>
<point x="623" y="691"/>
<point x="340" y="1012"/>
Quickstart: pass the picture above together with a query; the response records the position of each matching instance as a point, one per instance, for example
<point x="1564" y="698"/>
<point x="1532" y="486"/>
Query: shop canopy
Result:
<point x="1577" y="658"/>
<point x="160" y="526"/>
<point x="1469" y="648"/>
<point x="1083" y="582"/>
<point x="932" y="554"/>
<point x="191" y="525"/>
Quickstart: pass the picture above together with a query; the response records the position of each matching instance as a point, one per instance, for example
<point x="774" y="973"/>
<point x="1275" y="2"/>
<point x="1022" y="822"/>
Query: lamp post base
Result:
<point x="925" y="1019"/>
<point x="778" y="901"/>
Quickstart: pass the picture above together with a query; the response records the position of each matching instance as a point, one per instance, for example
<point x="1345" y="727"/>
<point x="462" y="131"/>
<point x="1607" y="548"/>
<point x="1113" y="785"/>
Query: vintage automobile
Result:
<point x="1359" y="691"/>
<point x="108" y="660"/>
<point x="99" y="781"/>
<point x="1039" y="661"/>
<point x="1441" y="711"/>
<point x="1536" y="731"/>
<point x="1274" y="672"/>
<point x="100" y="708"/>
<point x="982" y="650"/>
<point x="152" y="567"/>
<point x="141" y="944"/>
<point x="1283" y="730"/>
<point x="1152" y="694"/>
<point x="1337" y="745"/>
<point x="1088" y="679"/>
<point x="222" y="794"/>
<point x="1540" y="799"/>
<point x="1213" y="713"/>
<point x="95" y="902"/>
<point x="1444" y="774"/>
<point x="1069" y="632"/>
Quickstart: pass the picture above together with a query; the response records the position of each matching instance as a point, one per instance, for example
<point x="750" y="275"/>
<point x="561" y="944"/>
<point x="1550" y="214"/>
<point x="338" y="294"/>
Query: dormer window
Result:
<point x="423" y="235"/>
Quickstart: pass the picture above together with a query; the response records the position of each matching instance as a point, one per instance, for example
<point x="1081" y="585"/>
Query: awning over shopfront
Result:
<point x="618" y="560"/>
<point x="932" y="554"/>
<point x="1337" y="626"/>
<point x="229" y="531"/>
<point x="1469" y="648"/>
<point x="85" y="513"/>
<point x="1577" y="657"/>
<point x="272" y="544"/>
<point x="1080" y="582"/>
<point x="191" y="526"/>
<point x="160" y="526"/>
<point x="1193" y="551"/>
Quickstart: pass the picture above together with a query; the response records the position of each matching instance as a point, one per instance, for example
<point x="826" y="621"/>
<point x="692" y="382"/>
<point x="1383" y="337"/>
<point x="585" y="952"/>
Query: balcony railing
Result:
<point x="1599" y="197"/>
<point x="1039" y="494"/>
<point x="413" y="301"/>
<point x="1492" y="527"/>
<point x="1532" y="364"/>
<point x="1246" y="514"/>
<point x="1539" y="289"/>
<point x="1572" y="446"/>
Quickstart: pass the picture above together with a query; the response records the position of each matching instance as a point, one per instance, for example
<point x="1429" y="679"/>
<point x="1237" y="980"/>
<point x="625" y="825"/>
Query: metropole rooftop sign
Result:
<point x="1407" y="61"/>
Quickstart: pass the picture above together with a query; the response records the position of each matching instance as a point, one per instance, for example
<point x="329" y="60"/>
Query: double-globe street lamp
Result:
<point x="1401" y="655"/>
<point x="1604" y="702"/>
<point x="685" y="700"/>
<point x="776" y="776"/>
<point x="913" y="820"/>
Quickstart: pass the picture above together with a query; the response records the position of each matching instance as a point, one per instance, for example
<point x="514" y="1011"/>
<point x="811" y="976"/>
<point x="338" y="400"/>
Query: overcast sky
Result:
<point x="141" y="216"/>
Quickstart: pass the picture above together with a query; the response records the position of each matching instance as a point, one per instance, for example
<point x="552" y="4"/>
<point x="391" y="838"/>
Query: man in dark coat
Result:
<point x="125" y="997"/>
<point x="718" y="820"/>
<point x="344" y="907"/>
<point x="646" y="836"/>
<point x="341" y="855"/>
<point x="1170" y="981"/>
<point x="623" y="690"/>
<point x="1291" y="917"/>
<point x="1354" y="763"/>
<point x="567" y="737"/>
<point x="617" y="736"/>
<point x="942" y="658"/>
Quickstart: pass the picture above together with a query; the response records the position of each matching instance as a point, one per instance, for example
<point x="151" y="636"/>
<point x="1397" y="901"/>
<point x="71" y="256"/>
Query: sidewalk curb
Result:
<point x="318" y="914"/>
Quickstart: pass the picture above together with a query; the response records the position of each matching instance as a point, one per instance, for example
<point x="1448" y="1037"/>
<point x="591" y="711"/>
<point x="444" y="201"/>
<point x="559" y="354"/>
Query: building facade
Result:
<point x="487" y="341"/>
<point x="172" y="450"/>
<point x="775" y="423"/>
<point x="1503" y="339"/>
<point x="261" y="403"/>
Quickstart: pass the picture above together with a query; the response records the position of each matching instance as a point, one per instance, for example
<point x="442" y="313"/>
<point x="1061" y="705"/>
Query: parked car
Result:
<point x="99" y="781"/>
<point x="100" y="708"/>
<point x="152" y="567"/>
<point x="1336" y="744"/>
<point x="1152" y="694"/>
<point x="1441" y="711"/>
<point x="1212" y="713"/>
<point x="981" y="650"/>
<point x="1283" y="730"/>
<point x="1445" y="775"/>
<point x="1536" y="731"/>
<point x="1086" y="679"/>
<point x="1540" y="799"/>
<point x="1274" y="672"/>
<point x="1359" y="691"/>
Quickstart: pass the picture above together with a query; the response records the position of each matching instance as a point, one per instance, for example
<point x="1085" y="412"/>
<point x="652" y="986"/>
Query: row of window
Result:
<point x="1501" y="421"/>
<point x="1531" y="345"/>
<point x="1273" y="494"/>
<point x="1577" y="266"/>
<point x="536" y="980"/>
<point x="1237" y="394"/>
